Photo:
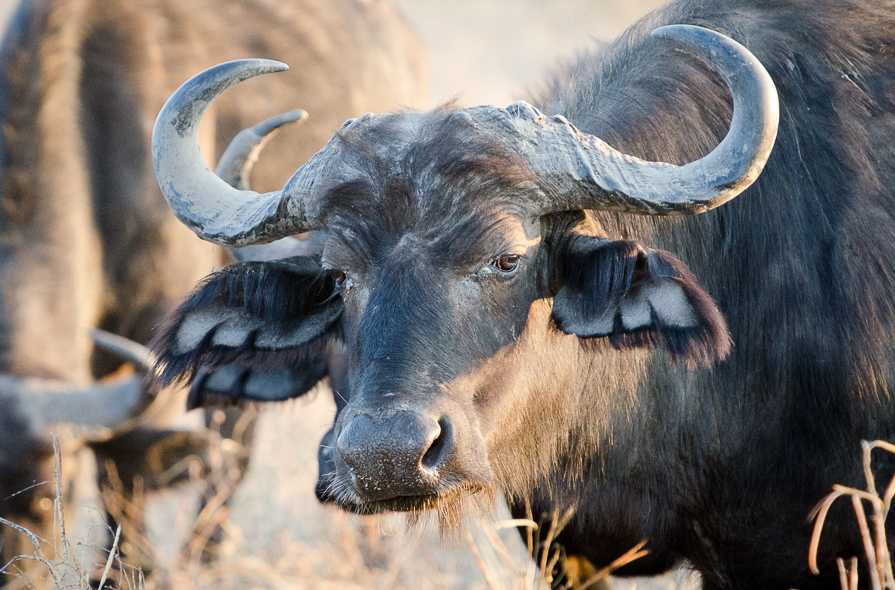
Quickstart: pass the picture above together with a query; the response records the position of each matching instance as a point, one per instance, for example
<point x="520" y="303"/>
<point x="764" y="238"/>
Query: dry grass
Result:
<point x="876" y="548"/>
<point x="282" y="539"/>
<point x="68" y="568"/>
<point x="277" y="536"/>
<point x="537" y="572"/>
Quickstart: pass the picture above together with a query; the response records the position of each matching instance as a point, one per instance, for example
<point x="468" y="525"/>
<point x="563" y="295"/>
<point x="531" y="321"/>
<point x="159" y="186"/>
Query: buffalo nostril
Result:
<point x="432" y="458"/>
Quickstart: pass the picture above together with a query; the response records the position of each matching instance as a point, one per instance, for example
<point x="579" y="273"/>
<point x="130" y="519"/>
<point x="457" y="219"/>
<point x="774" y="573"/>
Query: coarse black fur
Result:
<point x="801" y="265"/>
<point x="717" y="464"/>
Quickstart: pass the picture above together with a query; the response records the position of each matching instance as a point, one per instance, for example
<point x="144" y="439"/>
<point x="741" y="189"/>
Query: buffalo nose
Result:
<point x="396" y="457"/>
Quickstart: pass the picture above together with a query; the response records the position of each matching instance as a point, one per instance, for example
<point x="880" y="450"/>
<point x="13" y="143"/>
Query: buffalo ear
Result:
<point x="637" y="297"/>
<point x="253" y="330"/>
<point x="238" y="382"/>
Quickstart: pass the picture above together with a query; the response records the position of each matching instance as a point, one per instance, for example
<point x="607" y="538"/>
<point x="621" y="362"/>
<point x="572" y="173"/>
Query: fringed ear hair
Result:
<point x="637" y="297"/>
<point x="256" y="315"/>
<point x="236" y="382"/>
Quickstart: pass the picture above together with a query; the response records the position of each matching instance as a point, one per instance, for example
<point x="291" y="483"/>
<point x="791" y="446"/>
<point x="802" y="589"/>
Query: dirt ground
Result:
<point x="485" y="51"/>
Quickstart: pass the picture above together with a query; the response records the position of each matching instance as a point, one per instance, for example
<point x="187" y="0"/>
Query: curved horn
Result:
<point x="125" y="348"/>
<point x="235" y="165"/>
<point x="92" y="410"/>
<point x="235" y="168"/>
<point x="86" y="411"/>
<point x="581" y="171"/>
<point x="209" y="206"/>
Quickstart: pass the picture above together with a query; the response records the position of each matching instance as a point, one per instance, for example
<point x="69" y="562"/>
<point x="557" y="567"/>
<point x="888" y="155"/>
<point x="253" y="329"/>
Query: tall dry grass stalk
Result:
<point x="67" y="569"/>
<point x="539" y="571"/>
<point x="876" y="548"/>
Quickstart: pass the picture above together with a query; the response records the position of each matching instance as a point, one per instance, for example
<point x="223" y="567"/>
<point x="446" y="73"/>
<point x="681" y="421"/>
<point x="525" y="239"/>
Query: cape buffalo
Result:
<point x="514" y="318"/>
<point x="86" y="239"/>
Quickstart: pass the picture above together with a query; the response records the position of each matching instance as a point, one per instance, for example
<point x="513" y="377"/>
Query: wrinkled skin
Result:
<point x="86" y="239"/>
<point x="469" y="369"/>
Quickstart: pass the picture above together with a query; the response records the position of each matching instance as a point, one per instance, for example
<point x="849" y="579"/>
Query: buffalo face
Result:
<point x="461" y="274"/>
<point x="455" y="308"/>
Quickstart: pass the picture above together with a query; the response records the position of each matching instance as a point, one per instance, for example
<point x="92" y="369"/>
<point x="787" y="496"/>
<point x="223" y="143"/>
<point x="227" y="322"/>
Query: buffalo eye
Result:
<point x="506" y="262"/>
<point x="338" y="277"/>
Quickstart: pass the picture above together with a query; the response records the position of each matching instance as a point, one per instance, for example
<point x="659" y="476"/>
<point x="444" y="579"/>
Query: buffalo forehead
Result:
<point x="425" y="149"/>
<point x="459" y="242"/>
<point x="387" y="137"/>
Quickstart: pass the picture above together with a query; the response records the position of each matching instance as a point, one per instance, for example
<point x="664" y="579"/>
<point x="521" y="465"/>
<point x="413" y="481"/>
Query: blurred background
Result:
<point x="278" y="535"/>
<point x="494" y="51"/>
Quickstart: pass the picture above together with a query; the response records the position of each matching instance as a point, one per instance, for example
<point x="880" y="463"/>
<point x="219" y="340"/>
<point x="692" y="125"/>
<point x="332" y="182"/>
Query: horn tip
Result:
<point x="294" y="116"/>
<point x="268" y="65"/>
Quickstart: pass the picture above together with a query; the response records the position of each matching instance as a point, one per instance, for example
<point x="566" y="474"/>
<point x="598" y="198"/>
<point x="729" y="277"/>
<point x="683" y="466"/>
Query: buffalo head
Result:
<point x="461" y="272"/>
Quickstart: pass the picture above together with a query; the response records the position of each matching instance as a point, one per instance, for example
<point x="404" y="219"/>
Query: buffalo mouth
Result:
<point x="419" y="503"/>
<point x="399" y="504"/>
